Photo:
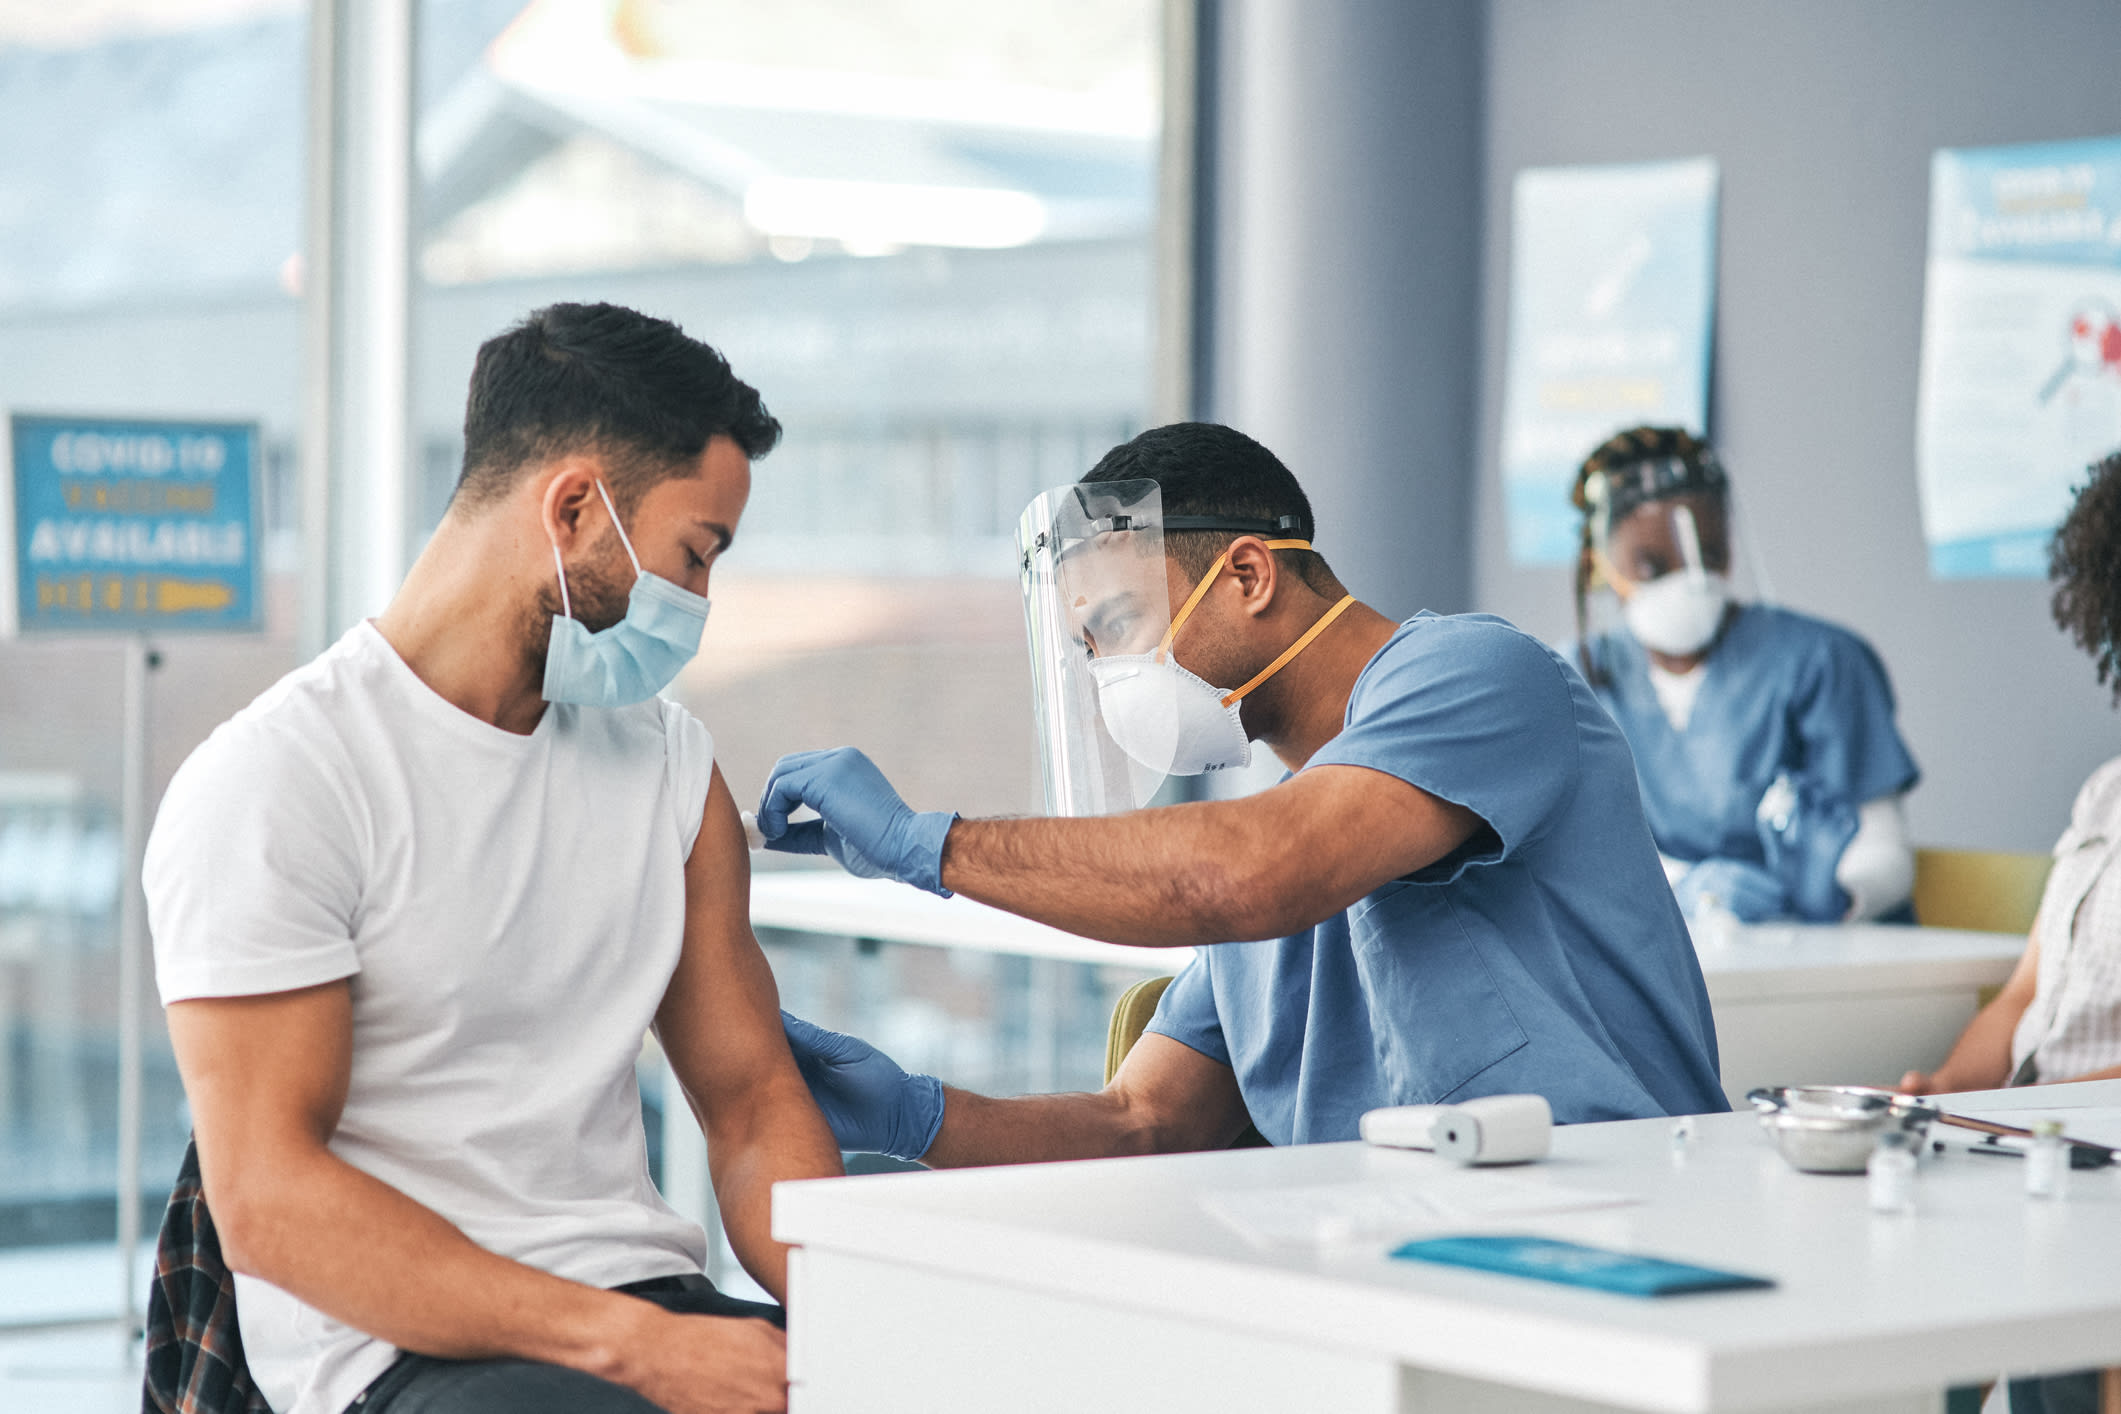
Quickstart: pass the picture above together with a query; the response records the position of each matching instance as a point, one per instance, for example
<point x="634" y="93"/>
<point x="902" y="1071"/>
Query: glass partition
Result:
<point x="150" y="219"/>
<point x="923" y="228"/>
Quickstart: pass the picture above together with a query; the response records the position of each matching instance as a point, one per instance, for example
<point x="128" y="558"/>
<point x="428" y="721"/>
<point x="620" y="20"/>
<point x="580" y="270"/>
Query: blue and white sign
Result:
<point x="2021" y="348"/>
<point x="126" y="526"/>
<point x="1612" y="317"/>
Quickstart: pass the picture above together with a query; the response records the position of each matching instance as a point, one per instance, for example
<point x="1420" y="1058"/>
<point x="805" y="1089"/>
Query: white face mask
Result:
<point x="1166" y="718"/>
<point x="1174" y="721"/>
<point x="1678" y="613"/>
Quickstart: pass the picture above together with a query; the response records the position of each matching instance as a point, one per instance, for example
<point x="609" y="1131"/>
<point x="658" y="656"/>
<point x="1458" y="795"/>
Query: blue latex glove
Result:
<point x="873" y="1106"/>
<point x="1804" y="827"/>
<point x="863" y="824"/>
<point x="1745" y="889"/>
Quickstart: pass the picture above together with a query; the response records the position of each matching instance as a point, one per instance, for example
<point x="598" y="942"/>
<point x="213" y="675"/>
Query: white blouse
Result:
<point x="2074" y="1023"/>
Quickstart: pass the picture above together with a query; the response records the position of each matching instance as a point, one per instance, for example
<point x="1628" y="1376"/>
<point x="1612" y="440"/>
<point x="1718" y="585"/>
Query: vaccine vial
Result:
<point x="2047" y="1163"/>
<point x="1892" y="1173"/>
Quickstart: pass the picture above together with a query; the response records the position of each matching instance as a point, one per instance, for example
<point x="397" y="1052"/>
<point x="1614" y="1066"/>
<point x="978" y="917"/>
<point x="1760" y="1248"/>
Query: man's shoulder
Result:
<point x="290" y="736"/>
<point x="1435" y="650"/>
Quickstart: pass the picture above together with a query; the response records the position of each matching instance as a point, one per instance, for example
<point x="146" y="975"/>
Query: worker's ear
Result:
<point x="1257" y="571"/>
<point x="565" y="502"/>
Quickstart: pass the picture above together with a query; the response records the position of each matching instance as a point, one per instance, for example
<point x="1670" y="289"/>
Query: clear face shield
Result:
<point x="1091" y="559"/>
<point x="1664" y="541"/>
<point x="1118" y="714"/>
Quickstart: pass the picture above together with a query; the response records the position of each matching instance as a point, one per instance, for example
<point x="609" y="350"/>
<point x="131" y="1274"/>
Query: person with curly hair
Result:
<point x="2059" y="1016"/>
<point x="1764" y="739"/>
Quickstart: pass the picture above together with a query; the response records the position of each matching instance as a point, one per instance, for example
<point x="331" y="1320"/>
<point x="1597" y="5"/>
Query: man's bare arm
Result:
<point x="1219" y="871"/>
<point x="267" y="1079"/>
<point x="1167" y="1098"/>
<point x="720" y="1024"/>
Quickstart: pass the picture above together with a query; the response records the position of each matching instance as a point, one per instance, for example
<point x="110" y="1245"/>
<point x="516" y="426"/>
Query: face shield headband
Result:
<point x="1613" y="495"/>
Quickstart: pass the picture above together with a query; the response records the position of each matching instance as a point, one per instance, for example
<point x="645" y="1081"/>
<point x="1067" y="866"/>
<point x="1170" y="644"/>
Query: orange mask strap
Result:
<point x="1325" y="620"/>
<point x="1619" y="583"/>
<point x="1200" y="590"/>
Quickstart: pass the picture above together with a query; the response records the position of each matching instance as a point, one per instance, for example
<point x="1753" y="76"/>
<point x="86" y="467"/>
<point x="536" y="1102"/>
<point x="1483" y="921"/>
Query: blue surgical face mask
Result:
<point x="635" y="658"/>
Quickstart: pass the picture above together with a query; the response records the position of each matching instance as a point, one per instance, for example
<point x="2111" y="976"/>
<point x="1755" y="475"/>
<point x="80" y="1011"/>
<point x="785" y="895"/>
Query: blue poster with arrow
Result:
<point x="121" y="525"/>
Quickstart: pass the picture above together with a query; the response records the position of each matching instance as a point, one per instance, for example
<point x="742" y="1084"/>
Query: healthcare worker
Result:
<point x="1764" y="739"/>
<point x="1454" y="895"/>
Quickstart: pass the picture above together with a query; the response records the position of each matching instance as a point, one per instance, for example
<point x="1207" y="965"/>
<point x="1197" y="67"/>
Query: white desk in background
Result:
<point x="1850" y="1004"/>
<point x="1846" y="1004"/>
<point x="1106" y="1285"/>
<point x="822" y="901"/>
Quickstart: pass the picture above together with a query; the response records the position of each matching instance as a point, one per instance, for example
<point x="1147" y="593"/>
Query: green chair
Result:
<point x="1983" y="891"/>
<point x="1130" y="1017"/>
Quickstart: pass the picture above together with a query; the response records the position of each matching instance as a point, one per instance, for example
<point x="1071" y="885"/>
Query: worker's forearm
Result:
<point x="779" y="1136"/>
<point x="1169" y="878"/>
<point x="368" y="1255"/>
<point x="979" y="1130"/>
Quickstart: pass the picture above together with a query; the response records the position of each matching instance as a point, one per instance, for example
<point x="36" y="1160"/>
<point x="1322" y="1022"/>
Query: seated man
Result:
<point x="415" y="908"/>
<point x="1455" y="894"/>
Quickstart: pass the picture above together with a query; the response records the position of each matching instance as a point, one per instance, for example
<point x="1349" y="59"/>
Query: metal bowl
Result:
<point x="1833" y="1128"/>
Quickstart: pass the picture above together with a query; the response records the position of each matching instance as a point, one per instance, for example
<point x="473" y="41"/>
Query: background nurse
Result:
<point x="1764" y="739"/>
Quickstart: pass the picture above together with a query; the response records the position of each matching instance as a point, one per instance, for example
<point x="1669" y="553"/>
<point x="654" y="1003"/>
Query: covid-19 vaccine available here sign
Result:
<point x="131" y="526"/>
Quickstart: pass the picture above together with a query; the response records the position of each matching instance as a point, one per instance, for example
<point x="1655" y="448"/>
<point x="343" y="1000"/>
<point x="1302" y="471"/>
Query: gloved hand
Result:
<point x="1745" y="889"/>
<point x="1804" y="828"/>
<point x="873" y="1106"/>
<point x="863" y="825"/>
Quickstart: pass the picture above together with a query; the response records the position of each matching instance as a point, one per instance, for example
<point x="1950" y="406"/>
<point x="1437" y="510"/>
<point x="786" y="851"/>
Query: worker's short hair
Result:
<point x="1206" y="469"/>
<point x="601" y="379"/>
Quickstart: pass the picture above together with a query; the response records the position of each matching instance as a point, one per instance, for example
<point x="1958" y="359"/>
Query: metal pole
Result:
<point x="1179" y="280"/>
<point x="132" y="954"/>
<point x="319" y="330"/>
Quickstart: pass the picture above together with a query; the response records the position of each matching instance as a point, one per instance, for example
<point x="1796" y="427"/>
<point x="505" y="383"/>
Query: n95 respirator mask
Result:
<point x="1166" y="718"/>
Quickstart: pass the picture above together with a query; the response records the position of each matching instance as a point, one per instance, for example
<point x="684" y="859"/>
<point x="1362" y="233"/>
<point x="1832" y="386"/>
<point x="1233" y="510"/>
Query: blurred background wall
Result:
<point x="1823" y="116"/>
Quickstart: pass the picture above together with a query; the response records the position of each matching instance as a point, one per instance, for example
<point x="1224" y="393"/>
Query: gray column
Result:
<point x="356" y="435"/>
<point x="1345" y="211"/>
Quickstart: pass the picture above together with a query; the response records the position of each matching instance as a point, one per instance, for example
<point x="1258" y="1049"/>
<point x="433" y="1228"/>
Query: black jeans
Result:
<point x="422" y="1384"/>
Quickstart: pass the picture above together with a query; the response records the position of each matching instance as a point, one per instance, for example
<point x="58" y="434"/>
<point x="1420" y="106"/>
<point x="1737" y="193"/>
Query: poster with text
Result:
<point x="1612" y="314"/>
<point x="2021" y="348"/>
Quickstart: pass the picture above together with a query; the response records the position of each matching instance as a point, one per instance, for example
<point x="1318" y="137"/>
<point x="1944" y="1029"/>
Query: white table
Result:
<point x="1852" y="1004"/>
<point x="1106" y="1285"/>
<point x="1849" y="1004"/>
<point x="821" y="901"/>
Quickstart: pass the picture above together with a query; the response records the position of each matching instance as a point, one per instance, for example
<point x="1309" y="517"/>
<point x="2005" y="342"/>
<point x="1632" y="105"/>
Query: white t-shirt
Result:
<point x="509" y="909"/>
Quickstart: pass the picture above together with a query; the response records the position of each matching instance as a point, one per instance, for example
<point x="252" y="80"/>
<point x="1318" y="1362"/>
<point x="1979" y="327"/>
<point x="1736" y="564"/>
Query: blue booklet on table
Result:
<point x="1573" y="1264"/>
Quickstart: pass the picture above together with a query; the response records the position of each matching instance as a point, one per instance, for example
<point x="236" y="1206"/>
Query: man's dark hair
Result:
<point x="1206" y="469"/>
<point x="608" y="380"/>
<point x="2085" y="564"/>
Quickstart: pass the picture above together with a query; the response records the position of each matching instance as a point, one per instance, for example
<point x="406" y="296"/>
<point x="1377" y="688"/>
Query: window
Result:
<point x="150" y="215"/>
<point x="923" y="228"/>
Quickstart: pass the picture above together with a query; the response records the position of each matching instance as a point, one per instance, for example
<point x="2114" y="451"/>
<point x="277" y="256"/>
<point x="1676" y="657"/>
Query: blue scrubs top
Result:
<point x="1545" y="955"/>
<point x="1784" y="696"/>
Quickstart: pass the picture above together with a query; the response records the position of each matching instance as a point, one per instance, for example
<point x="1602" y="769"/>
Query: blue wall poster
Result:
<point x="119" y="525"/>
<point x="1612" y="318"/>
<point x="2021" y="348"/>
